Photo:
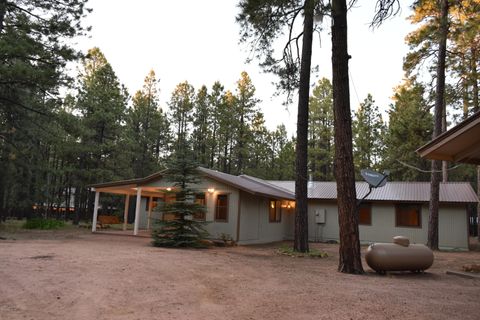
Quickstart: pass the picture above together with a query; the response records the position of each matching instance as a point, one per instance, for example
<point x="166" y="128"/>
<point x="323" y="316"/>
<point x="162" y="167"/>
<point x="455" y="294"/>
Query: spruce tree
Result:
<point x="182" y="230"/>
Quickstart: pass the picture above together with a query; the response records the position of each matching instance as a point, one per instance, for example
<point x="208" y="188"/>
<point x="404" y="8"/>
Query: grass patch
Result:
<point x="313" y="253"/>
<point x="43" y="224"/>
<point x="11" y="225"/>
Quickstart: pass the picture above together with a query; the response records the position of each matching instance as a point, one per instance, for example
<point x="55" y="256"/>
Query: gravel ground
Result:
<point x="78" y="275"/>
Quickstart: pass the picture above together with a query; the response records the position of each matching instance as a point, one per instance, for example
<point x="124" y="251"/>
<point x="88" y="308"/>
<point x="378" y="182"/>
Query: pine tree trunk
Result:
<point x="475" y="80"/>
<point x="444" y="128"/>
<point x="349" y="251"/>
<point x="301" y="160"/>
<point x="475" y="109"/>
<point x="478" y="204"/>
<point x="439" y="105"/>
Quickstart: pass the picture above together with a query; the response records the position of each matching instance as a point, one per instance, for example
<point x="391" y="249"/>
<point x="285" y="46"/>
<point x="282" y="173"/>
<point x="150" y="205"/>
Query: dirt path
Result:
<point x="112" y="277"/>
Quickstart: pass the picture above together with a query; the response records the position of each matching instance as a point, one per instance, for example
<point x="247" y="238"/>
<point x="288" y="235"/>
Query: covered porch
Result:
<point x="133" y="190"/>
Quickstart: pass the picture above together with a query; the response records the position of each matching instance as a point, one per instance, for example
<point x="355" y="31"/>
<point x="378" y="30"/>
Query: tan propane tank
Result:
<point x="399" y="256"/>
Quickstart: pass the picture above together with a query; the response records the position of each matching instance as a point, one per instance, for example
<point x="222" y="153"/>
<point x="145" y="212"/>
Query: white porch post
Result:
<point x="150" y="205"/>
<point x="125" y="212"/>
<point x="95" y="211"/>
<point x="137" y="211"/>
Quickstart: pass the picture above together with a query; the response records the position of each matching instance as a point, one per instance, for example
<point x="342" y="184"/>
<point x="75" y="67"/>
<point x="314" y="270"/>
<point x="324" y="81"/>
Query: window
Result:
<point x="365" y="214"/>
<point x="200" y="200"/>
<point x="408" y="215"/>
<point x="275" y="211"/>
<point x="221" y="208"/>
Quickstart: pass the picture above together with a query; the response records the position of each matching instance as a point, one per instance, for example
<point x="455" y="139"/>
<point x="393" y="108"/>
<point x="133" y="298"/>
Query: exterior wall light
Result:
<point x="211" y="190"/>
<point x="169" y="189"/>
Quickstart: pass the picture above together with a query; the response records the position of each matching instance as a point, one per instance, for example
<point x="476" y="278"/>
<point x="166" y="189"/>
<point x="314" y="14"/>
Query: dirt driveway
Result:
<point x="89" y="276"/>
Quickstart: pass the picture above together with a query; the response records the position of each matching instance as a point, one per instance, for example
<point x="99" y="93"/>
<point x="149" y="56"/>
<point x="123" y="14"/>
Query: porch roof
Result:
<point x="459" y="144"/>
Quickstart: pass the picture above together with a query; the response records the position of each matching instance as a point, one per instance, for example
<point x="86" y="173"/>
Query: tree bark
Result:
<point x="444" y="128"/>
<point x="349" y="252"/>
<point x="475" y="80"/>
<point x="475" y="109"/>
<point x="301" y="192"/>
<point x="439" y="105"/>
<point x="478" y="204"/>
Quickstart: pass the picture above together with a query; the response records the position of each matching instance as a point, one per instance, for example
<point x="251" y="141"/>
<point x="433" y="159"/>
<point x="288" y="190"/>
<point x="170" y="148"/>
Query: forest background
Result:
<point x="60" y="133"/>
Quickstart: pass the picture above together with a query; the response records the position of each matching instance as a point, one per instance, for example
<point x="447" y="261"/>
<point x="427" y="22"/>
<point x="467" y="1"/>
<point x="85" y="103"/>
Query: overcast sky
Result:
<point x="198" y="41"/>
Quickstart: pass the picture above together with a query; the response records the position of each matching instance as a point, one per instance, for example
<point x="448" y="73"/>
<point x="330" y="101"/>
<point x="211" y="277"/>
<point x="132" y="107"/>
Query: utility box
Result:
<point x="320" y="215"/>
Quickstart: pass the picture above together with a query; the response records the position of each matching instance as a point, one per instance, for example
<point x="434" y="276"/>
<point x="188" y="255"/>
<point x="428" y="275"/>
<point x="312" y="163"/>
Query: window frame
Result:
<point x="398" y="208"/>
<point x="365" y="205"/>
<point x="277" y="207"/>
<point x="226" y="195"/>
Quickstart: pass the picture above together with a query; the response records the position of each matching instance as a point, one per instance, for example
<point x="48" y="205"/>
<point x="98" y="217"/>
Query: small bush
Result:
<point x="43" y="224"/>
<point x="313" y="253"/>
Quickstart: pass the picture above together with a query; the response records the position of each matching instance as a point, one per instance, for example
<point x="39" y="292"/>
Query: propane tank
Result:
<point x="399" y="256"/>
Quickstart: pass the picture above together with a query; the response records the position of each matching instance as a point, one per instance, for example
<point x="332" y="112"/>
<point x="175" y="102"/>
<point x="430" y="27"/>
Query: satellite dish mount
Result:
<point x="374" y="180"/>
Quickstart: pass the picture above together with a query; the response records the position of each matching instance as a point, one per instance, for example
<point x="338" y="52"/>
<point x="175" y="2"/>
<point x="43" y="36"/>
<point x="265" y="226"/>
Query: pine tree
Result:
<point x="283" y="155"/>
<point x="320" y="132"/>
<point x="202" y="132"/>
<point x="147" y="131"/>
<point x="245" y="110"/>
<point x="225" y="132"/>
<point x="410" y="126"/>
<point x="350" y="258"/>
<point x="34" y="51"/>
<point x="101" y="102"/>
<point x="264" y="22"/>
<point x="368" y="128"/>
<point x="216" y="102"/>
<point x="182" y="230"/>
<point x="181" y="112"/>
<point x="259" y="148"/>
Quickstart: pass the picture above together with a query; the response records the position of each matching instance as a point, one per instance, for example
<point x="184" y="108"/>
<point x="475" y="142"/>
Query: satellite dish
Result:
<point x="374" y="179"/>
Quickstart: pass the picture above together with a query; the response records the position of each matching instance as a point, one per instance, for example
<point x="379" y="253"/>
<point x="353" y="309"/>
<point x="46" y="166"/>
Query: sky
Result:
<point x="198" y="42"/>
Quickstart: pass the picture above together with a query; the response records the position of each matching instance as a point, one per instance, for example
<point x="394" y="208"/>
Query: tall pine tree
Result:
<point x="181" y="229"/>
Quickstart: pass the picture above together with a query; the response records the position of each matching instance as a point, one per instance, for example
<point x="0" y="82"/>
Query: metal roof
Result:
<point x="249" y="184"/>
<point x="455" y="192"/>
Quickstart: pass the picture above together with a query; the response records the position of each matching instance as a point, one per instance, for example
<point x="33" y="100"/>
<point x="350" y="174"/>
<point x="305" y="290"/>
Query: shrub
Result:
<point x="44" y="224"/>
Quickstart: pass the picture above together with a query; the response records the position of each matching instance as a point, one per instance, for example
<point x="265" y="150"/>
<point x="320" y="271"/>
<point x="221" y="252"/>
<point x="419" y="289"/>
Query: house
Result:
<point x="252" y="210"/>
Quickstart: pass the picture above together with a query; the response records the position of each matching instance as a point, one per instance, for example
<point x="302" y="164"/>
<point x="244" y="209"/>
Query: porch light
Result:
<point x="169" y="189"/>
<point x="211" y="190"/>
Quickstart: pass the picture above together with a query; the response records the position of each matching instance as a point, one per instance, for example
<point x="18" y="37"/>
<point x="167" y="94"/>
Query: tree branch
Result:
<point x="385" y="9"/>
